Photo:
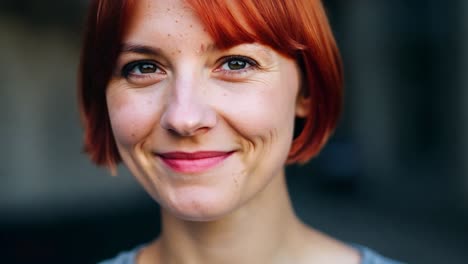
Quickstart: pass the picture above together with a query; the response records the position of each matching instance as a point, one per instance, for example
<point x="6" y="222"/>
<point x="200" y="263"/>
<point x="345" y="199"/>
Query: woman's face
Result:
<point x="204" y="130"/>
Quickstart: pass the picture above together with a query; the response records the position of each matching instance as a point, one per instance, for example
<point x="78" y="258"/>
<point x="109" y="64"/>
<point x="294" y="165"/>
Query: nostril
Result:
<point x="183" y="127"/>
<point x="188" y="118"/>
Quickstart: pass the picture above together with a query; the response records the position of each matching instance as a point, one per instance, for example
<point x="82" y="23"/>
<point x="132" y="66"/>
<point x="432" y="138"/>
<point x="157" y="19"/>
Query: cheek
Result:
<point x="258" y="115"/>
<point x="131" y="117"/>
<point x="262" y="112"/>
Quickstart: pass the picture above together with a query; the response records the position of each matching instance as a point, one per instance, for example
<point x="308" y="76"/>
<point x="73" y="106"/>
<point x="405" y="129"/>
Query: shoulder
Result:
<point x="126" y="257"/>
<point x="369" y="256"/>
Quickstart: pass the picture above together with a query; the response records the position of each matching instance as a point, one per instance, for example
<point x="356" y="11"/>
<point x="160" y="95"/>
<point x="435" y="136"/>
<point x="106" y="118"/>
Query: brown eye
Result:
<point x="146" y="68"/>
<point x="140" y="68"/>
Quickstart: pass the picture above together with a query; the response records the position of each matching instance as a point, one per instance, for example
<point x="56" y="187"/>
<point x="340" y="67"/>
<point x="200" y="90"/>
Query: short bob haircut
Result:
<point x="298" y="29"/>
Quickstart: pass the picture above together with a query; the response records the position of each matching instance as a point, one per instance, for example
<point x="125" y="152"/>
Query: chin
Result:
<point x="201" y="204"/>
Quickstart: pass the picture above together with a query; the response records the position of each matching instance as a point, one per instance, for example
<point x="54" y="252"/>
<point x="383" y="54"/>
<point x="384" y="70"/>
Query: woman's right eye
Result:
<point x="141" y="69"/>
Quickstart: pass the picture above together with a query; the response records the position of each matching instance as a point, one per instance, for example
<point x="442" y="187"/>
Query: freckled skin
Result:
<point x="194" y="107"/>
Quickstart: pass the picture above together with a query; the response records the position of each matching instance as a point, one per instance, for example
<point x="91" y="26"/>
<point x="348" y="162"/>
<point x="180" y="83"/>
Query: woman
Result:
<point x="205" y="102"/>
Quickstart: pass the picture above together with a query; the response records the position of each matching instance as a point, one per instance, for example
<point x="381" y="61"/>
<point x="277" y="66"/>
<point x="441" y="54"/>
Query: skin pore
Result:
<point x="174" y="92"/>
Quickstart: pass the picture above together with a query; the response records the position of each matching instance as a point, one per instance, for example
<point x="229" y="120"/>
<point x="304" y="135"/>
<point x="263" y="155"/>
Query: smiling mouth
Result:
<point x="195" y="162"/>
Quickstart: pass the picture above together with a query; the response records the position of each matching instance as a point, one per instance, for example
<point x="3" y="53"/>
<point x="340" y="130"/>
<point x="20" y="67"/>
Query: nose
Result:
<point x="187" y="113"/>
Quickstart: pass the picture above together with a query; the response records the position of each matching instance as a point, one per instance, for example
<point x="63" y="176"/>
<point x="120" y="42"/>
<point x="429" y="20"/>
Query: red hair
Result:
<point x="298" y="29"/>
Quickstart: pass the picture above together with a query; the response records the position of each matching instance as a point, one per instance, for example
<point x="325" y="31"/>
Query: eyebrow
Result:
<point x="140" y="49"/>
<point x="154" y="51"/>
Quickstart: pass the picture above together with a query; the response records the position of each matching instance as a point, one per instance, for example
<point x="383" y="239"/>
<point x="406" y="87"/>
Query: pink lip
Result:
<point x="195" y="162"/>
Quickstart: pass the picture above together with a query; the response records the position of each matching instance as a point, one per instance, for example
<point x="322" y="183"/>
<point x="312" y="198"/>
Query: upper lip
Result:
<point x="193" y="155"/>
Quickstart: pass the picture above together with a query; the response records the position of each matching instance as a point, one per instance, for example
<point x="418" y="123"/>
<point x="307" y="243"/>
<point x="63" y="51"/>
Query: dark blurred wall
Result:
<point x="403" y="89"/>
<point x="463" y="99"/>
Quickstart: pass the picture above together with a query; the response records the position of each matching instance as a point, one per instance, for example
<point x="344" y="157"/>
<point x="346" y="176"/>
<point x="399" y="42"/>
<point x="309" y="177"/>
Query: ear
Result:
<point x="302" y="105"/>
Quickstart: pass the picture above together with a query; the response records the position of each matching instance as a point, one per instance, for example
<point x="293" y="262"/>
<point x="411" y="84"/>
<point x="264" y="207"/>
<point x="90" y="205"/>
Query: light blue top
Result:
<point x="368" y="256"/>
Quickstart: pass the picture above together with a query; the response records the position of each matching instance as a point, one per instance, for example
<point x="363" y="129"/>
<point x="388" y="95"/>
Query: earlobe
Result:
<point x="302" y="106"/>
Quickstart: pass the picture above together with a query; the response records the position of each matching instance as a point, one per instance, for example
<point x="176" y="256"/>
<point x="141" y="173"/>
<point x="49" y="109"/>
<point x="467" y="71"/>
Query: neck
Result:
<point x="261" y="231"/>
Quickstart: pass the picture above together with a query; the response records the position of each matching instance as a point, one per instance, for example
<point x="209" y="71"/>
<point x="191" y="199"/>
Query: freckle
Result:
<point x="179" y="51"/>
<point x="168" y="35"/>
<point x="133" y="135"/>
<point x="191" y="26"/>
<point x="195" y="204"/>
<point x="177" y="21"/>
<point x="168" y="9"/>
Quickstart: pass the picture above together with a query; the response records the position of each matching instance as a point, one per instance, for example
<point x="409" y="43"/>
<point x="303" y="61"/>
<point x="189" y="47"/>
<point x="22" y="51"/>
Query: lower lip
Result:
<point x="194" y="165"/>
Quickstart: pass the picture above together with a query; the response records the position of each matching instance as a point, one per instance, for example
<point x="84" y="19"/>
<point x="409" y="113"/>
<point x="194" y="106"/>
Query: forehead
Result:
<point x="159" y="13"/>
<point x="224" y="22"/>
<point x="164" y="22"/>
<point x="159" y="7"/>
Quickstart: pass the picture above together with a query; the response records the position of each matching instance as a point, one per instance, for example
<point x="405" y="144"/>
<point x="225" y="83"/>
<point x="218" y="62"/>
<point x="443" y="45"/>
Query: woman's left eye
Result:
<point x="237" y="64"/>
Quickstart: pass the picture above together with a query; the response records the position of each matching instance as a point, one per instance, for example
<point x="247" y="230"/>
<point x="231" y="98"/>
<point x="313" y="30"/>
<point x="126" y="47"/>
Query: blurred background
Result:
<point x="394" y="177"/>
